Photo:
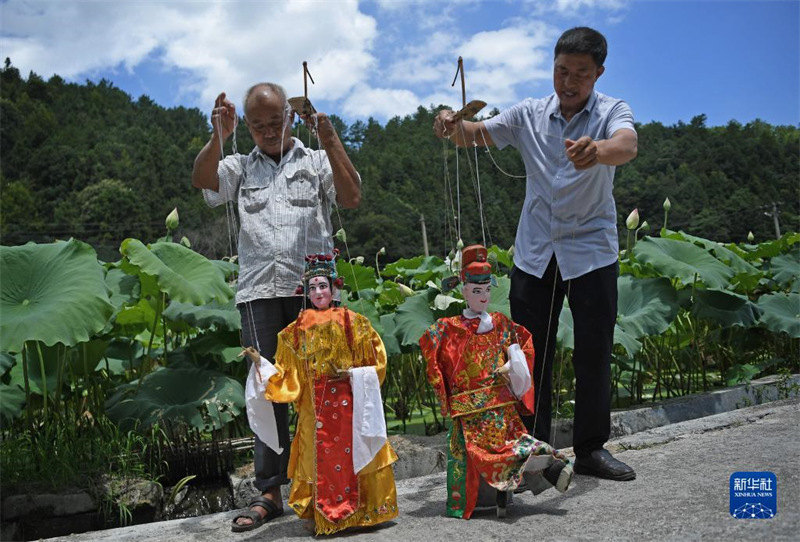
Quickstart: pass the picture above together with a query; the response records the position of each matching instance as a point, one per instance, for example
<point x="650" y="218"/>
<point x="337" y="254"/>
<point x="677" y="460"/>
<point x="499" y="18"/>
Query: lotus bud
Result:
<point x="359" y="260"/>
<point x="750" y="237"/>
<point x="633" y="220"/>
<point x="341" y="235"/>
<point x="645" y="226"/>
<point x="185" y="242"/>
<point x="382" y="251"/>
<point x="511" y="251"/>
<point x="405" y="290"/>
<point x="460" y="244"/>
<point x="451" y="255"/>
<point x="492" y="259"/>
<point x="667" y="205"/>
<point x="172" y="220"/>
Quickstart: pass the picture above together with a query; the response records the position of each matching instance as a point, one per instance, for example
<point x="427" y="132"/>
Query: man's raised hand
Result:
<point x="223" y="117"/>
<point x="444" y="125"/>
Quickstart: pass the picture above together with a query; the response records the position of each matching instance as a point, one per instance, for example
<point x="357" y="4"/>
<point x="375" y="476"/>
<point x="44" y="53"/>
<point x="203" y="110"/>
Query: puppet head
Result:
<point x="476" y="275"/>
<point x="320" y="279"/>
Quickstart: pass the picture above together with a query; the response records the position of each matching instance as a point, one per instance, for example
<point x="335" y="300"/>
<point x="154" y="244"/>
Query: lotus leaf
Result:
<point x="7" y="361"/>
<point x="645" y="306"/>
<point x="722" y="253"/>
<point x="85" y="357"/>
<point x="414" y="316"/>
<point x="389" y="335"/>
<point x="121" y="355"/>
<point x="136" y="318"/>
<point x="51" y="358"/>
<point x="219" y="315"/>
<point x="442" y="302"/>
<point x="626" y="332"/>
<point x="123" y="288"/>
<point x="228" y="268"/>
<point x="54" y="293"/>
<point x="356" y="277"/>
<point x="786" y="268"/>
<point x="203" y="399"/>
<point x="740" y="374"/>
<point x="390" y="295"/>
<point x="780" y="313"/>
<point x="503" y="258"/>
<point x="366" y="308"/>
<point x="420" y="269"/>
<point x="12" y="401"/>
<point x="183" y="274"/>
<point x="220" y="342"/>
<point x="725" y="308"/>
<point x="499" y="299"/>
<point x="683" y="260"/>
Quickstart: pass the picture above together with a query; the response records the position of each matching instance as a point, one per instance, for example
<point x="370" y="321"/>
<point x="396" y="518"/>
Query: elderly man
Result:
<point x="566" y="242"/>
<point x="284" y="192"/>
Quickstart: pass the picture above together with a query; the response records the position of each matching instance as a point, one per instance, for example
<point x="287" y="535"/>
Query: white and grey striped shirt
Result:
<point x="284" y="213"/>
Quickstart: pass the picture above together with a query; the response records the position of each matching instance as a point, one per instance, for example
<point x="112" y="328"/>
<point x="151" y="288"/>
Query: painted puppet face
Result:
<point x="319" y="292"/>
<point x="477" y="295"/>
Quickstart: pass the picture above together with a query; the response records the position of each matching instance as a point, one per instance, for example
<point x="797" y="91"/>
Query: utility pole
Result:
<point x="424" y="235"/>
<point x="774" y="214"/>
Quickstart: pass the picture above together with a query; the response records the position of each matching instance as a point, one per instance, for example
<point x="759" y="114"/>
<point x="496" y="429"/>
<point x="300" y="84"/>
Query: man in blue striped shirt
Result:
<point x="566" y="244"/>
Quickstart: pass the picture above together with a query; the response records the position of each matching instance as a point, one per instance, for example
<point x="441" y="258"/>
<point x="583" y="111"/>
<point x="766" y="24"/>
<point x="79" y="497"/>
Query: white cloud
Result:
<point x="220" y="45"/>
<point x="573" y="7"/>
<point x="361" y="66"/>
<point x="380" y="102"/>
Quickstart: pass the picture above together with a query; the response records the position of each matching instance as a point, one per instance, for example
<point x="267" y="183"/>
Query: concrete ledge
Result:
<point x="690" y="407"/>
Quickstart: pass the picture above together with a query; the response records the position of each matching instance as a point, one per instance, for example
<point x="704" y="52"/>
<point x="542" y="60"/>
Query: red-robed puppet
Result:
<point x="480" y="365"/>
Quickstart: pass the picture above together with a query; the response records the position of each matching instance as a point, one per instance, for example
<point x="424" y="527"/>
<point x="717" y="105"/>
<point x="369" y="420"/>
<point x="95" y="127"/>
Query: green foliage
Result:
<point x="204" y="399"/>
<point x="41" y="281"/>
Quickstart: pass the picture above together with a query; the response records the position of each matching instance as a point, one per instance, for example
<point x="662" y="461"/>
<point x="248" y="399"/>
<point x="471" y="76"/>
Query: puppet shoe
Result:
<point x="535" y="482"/>
<point x="559" y="475"/>
<point x="602" y="464"/>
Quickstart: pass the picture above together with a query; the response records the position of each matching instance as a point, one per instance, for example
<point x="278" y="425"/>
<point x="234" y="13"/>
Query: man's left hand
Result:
<point x="582" y="153"/>
<point x="318" y="124"/>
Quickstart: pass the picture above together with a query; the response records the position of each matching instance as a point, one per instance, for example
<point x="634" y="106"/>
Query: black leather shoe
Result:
<point x="602" y="464"/>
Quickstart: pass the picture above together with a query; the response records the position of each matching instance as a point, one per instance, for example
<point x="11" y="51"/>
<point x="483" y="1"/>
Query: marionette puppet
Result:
<point x="480" y="365"/>
<point x="330" y="363"/>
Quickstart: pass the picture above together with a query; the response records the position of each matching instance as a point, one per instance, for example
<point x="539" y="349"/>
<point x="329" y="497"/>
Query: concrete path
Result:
<point x="681" y="493"/>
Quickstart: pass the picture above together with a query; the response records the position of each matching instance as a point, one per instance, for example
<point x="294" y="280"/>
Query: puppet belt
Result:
<point x="478" y="400"/>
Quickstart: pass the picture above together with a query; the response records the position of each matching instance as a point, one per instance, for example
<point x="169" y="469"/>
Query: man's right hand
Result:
<point x="443" y="124"/>
<point x="223" y="117"/>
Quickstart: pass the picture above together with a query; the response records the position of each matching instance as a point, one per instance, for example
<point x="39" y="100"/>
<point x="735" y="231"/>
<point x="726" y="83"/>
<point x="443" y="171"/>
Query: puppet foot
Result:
<point x="502" y="503"/>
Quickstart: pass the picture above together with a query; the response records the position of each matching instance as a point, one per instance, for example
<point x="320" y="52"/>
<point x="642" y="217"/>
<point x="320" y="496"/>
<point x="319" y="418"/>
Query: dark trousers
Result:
<point x="536" y="304"/>
<point x="266" y="318"/>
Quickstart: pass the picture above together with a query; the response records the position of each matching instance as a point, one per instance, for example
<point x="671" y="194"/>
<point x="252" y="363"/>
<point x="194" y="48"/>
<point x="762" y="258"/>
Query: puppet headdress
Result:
<point x="475" y="268"/>
<point x="321" y="265"/>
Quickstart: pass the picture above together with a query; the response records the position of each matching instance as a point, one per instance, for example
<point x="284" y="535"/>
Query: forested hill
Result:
<point x="87" y="161"/>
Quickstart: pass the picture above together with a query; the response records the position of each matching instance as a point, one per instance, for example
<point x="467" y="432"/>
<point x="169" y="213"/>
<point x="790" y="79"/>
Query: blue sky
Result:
<point x="671" y="60"/>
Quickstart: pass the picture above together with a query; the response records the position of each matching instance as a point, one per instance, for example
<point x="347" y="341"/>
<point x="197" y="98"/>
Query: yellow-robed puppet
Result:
<point x="330" y="363"/>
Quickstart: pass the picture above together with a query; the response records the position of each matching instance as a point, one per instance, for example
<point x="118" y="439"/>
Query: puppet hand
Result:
<point x="251" y="353"/>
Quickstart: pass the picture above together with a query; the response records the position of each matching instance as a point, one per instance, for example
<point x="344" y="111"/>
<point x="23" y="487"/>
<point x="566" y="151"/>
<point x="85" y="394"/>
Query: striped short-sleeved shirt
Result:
<point x="567" y="212"/>
<point x="284" y="213"/>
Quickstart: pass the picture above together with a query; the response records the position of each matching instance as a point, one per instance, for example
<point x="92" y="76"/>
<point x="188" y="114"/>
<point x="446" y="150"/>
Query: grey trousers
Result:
<point x="266" y="318"/>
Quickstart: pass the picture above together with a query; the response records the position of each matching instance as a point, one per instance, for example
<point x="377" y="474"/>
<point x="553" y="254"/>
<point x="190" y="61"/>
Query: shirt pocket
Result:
<point x="253" y="198"/>
<point x="302" y="188"/>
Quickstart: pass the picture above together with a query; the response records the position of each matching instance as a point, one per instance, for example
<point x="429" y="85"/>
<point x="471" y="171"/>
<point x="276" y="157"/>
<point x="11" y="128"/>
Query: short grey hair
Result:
<point x="272" y="87"/>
